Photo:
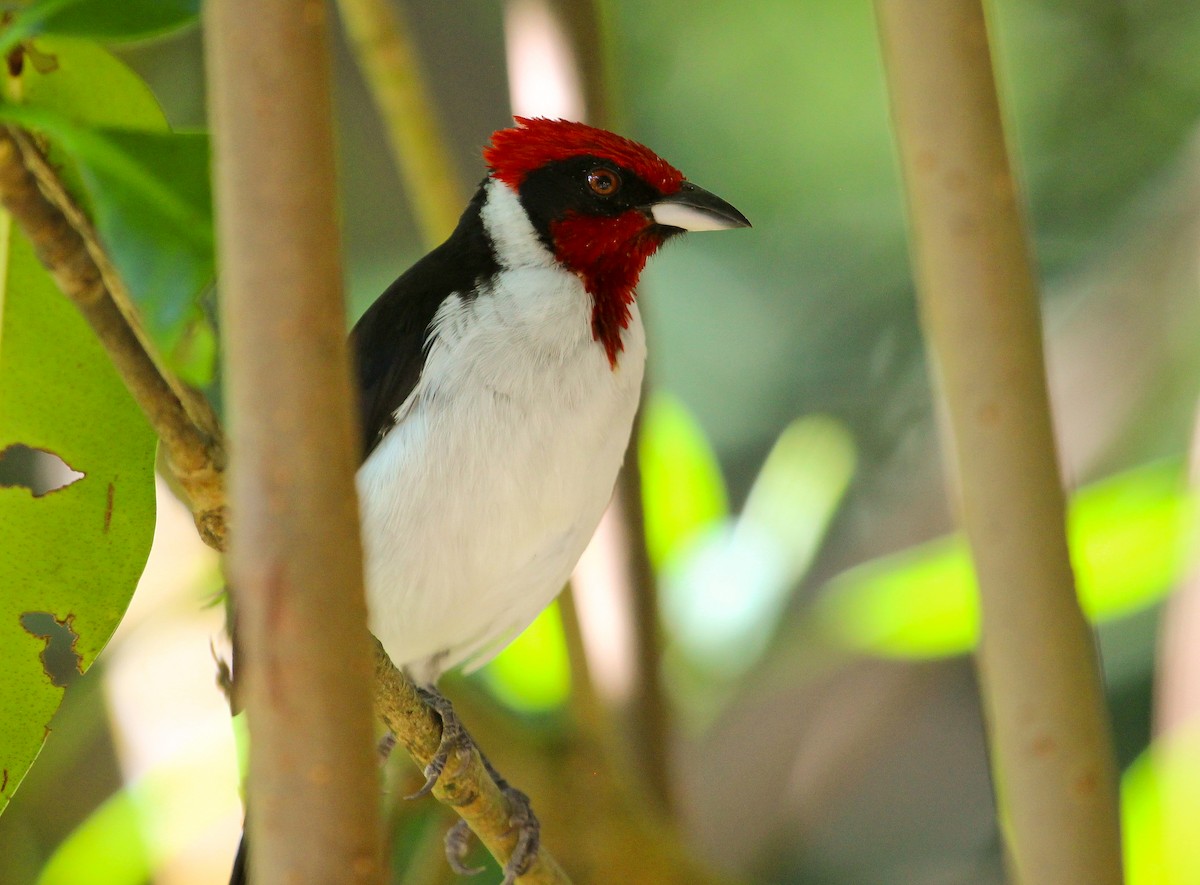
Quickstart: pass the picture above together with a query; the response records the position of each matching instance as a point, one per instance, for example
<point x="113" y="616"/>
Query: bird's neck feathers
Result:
<point x="606" y="254"/>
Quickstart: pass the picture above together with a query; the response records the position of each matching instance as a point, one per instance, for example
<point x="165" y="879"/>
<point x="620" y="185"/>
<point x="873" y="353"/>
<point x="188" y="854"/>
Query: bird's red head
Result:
<point x="536" y="142"/>
<point x="603" y="204"/>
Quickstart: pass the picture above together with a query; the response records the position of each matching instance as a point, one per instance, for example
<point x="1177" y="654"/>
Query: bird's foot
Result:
<point x="455" y="739"/>
<point x="529" y="831"/>
<point x="523" y="820"/>
<point x="458" y="843"/>
<point x="384" y="748"/>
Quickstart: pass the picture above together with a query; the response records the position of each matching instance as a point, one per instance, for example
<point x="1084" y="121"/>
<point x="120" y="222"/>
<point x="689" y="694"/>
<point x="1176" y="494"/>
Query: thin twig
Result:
<point x="1050" y="739"/>
<point x="649" y="712"/>
<point x="650" y="719"/>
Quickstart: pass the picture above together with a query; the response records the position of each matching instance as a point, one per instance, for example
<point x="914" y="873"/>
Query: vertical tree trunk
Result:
<point x="295" y="556"/>
<point x="1048" y="726"/>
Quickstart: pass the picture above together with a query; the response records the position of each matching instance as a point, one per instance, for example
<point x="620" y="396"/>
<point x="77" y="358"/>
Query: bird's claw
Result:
<point x="458" y="842"/>
<point x="529" y="830"/>
<point x="523" y="820"/>
<point x="454" y="740"/>
<point x="384" y="748"/>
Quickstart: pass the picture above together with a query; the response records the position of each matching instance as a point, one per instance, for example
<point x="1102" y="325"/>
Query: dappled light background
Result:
<point x="817" y="613"/>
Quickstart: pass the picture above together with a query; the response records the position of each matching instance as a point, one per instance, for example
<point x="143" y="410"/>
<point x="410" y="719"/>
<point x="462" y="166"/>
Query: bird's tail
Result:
<point x="240" y="869"/>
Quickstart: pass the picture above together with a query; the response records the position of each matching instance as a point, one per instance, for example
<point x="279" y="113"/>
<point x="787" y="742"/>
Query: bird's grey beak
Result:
<point x="694" y="208"/>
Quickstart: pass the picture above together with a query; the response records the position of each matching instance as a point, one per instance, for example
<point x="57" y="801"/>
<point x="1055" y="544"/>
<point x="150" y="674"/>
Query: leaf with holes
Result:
<point x="69" y="558"/>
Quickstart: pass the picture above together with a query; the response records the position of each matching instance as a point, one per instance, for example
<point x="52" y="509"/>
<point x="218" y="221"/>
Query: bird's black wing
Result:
<point x="391" y="339"/>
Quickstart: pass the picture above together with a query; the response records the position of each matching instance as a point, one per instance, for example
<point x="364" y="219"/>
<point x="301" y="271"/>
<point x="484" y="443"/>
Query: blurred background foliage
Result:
<point x="816" y="608"/>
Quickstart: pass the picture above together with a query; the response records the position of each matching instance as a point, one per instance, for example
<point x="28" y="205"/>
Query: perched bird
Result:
<point x="499" y="377"/>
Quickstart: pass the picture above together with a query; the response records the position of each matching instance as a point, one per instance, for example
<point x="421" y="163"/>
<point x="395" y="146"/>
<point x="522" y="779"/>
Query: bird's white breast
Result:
<point x="478" y="503"/>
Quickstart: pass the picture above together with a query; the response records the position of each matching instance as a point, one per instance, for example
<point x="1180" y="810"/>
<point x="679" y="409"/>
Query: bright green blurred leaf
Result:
<point x="109" y="20"/>
<point x="147" y="188"/>
<point x="74" y="554"/>
<point x="146" y="824"/>
<point x="683" y="492"/>
<point x="108" y="848"/>
<point x="722" y="601"/>
<point x="800" y="487"/>
<point x="1127" y="537"/>
<point x="1160" y="809"/>
<point x="533" y="674"/>
<point x="88" y="85"/>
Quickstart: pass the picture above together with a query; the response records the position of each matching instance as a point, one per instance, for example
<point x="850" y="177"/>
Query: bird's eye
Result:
<point x="604" y="182"/>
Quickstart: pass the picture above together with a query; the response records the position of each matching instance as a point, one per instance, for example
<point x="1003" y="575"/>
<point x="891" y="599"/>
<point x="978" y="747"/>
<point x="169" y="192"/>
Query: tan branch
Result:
<point x="295" y="562"/>
<point x="68" y="247"/>
<point x="1051" y="746"/>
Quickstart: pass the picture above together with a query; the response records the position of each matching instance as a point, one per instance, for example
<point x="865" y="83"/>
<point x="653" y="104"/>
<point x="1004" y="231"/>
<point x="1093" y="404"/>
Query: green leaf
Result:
<point x="533" y="674"/>
<point x="1126" y="536"/>
<point x="1160" y="811"/>
<point x="683" y="492"/>
<point x="147" y="189"/>
<point x="108" y="20"/>
<point x="800" y="488"/>
<point x="71" y="556"/>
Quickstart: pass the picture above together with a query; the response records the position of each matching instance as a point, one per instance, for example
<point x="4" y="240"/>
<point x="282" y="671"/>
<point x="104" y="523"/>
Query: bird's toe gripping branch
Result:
<point x="457" y="741"/>
<point x="529" y="830"/>
<point x="523" y="821"/>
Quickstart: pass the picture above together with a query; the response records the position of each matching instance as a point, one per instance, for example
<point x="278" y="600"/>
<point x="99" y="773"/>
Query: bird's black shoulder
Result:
<point x="389" y="342"/>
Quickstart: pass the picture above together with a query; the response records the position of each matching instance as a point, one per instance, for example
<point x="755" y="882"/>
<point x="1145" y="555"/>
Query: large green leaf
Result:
<point x="111" y="20"/>
<point x="70" y="558"/>
<point x="147" y="188"/>
<point x="1127" y="537"/>
<point x="87" y="84"/>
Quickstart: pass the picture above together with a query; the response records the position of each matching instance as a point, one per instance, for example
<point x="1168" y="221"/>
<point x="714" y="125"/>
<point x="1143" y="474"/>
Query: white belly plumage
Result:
<point x="478" y="503"/>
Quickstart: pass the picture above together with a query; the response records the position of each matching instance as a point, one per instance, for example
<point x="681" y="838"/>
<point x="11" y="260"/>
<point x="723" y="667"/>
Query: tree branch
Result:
<point x="1051" y="747"/>
<point x="67" y="246"/>
<point x="295" y="561"/>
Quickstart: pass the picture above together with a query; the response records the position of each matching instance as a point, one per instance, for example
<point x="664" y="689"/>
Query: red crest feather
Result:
<point x="536" y="141"/>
